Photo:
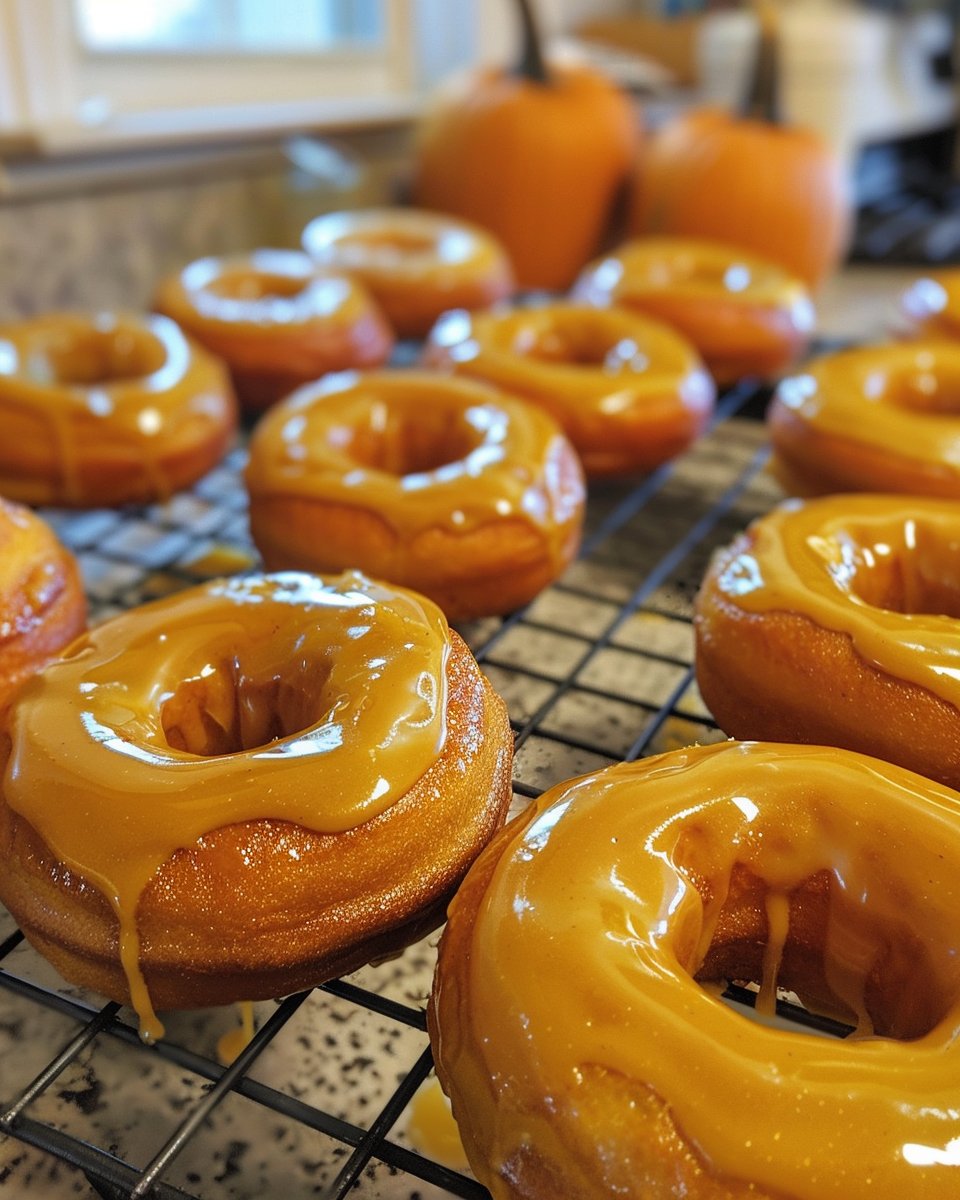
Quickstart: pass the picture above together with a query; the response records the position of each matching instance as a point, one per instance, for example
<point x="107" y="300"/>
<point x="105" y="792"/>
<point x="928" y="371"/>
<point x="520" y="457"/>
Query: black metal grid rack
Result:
<point x="596" y="670"/>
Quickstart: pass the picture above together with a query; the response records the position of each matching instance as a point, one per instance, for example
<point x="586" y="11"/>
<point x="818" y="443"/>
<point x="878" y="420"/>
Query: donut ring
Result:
<point x="572" y="1019"/>
<point x="822" y="623"/>
<point x="879" y="418"/>
<point x="416" y="263"/>
<point x="42" y="606"/>
<point x="745" y="315"/>
<point x="628" y="392"/>
<point x="305" y="828"/>
<point x="439" y="484"/>
<point x="931" y="305"/>
<point x="276" y="320"/>
<point x="107" y="410"/>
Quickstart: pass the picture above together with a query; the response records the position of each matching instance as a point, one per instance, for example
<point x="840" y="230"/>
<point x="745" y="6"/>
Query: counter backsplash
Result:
<point x="108" y="248"/>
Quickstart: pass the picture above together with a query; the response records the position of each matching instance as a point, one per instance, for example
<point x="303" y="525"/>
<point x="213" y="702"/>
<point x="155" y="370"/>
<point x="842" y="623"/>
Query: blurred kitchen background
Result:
<point x="136" y="135"/>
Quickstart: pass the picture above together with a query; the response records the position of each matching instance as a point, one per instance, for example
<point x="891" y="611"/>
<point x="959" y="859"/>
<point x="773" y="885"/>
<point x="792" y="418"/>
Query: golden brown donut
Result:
<point x="836" y="621"/>
<point x="416" y="263"/>
<point x="745" y="315"/>
<point x="324" y="759"/>
<point x="42" y="606"/>
<point x="107" y="410"/>
<point x="628" y="392"/>
<point x="276" y="320"/>
<point x="575" y="1019"/>
<point x="436" y="483"/>
<point x="873" y="419"/>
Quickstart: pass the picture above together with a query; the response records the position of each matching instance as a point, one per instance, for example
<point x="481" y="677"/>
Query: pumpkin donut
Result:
<point x="276" y="320"/>
<point x="416" y="263"/>
<point x="107" y="410"/>
<point x="877" y="418"/>
<point x="745" y="315"/>
<point x="328" y="760"/>
<point x="439" y="484"/>
<point x="628" y="392"/>
<point x="836" y="620"/>
<point x="575" y="1019"/>
<point x="42" y="606"/>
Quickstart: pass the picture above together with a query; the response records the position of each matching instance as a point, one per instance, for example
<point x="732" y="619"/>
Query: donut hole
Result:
<point x="583" y="341"/>
<point x="402" y="444"/>
<point x="910" y="569"/>
<point x="388" y="243"/>
<point x="894" y="989"/>
<point x="715" y="274"/>
<point x="96" y="357"/>
<point x="924" y="389"/>
<point x="257" y="285"/>
<point x="235" y="706"/>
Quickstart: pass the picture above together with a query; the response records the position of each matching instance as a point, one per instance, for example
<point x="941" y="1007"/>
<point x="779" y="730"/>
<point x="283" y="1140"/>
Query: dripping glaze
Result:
<point x="589" y="934"/>
<point x="162" y="725"/>
<point x="837" y="562"/>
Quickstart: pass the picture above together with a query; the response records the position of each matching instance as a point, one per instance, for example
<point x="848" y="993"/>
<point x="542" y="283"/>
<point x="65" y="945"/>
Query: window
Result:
<point x="102" y="74"/>
<point x="236" y="26"/>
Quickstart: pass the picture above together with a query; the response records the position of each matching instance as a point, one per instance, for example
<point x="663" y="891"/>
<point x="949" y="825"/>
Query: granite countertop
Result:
<point x="596" y="664"/>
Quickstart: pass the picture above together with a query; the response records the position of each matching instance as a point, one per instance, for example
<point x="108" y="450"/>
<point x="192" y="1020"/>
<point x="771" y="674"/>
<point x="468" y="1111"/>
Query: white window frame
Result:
<point x="59" y="98"/>
<point x="59" y="129"/>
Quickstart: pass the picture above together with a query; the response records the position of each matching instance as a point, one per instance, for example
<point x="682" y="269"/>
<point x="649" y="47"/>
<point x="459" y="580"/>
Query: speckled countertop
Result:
<point x="597" y="666"/>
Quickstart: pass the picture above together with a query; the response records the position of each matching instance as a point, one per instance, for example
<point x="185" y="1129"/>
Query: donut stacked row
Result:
<point x="599" y="927"/>
<point x="467" y="491"/>
<point x="833" y="619"/>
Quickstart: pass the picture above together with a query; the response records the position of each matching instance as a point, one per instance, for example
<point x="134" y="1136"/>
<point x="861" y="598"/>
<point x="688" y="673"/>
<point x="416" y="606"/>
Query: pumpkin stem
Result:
<point x="532" y="64"/>
<point x="762" y="101"/>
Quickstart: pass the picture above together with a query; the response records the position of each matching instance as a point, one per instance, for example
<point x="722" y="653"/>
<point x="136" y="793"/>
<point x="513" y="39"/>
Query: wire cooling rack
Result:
<point x="596" y="670"/>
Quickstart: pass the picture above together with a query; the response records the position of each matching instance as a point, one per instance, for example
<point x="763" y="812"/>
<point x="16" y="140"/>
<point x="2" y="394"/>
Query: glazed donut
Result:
<point x="931" y="305"/>
<point x="877" y="418"/>
<point x="276" y="320"/>
<point x="107" y="410"/>
<point x="574" y="1018"/>
<point x="628" y="392"/>
<point x="439" y="484"/>
<point x="416" y="263"/>
<point x="327" y="760"/>
<point x="835" y="621"/>
<point x="744" y="314"/>
<point x="42" y="606"/>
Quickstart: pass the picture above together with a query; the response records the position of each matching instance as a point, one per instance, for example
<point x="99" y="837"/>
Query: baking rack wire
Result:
<point x="597" y="670"/>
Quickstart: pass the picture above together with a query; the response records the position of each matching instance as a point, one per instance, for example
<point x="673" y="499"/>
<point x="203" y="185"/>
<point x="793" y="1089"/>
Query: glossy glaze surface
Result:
<point x="266" y="290"/>
<point x="108" y="388"/>
<point x="416" y="263"/>
<point x="745" y="315"/>
<point x="601" y="910"/>
<point x="901" y="398"/>
<point x="225" y="704"/>
<point x="32" y="566"/>
<point x="694" y="269"/>
<point x="421" y="451"/>
<point x="594" y="370"/>
<point x="882" y="569"/>
<point x="385" y="242"/>
<point x="41" y="596"/>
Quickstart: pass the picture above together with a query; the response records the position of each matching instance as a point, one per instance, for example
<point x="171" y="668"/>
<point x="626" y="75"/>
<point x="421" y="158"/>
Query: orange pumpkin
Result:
<point x="536" y="160"/>
<point x="778" y="190"/>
